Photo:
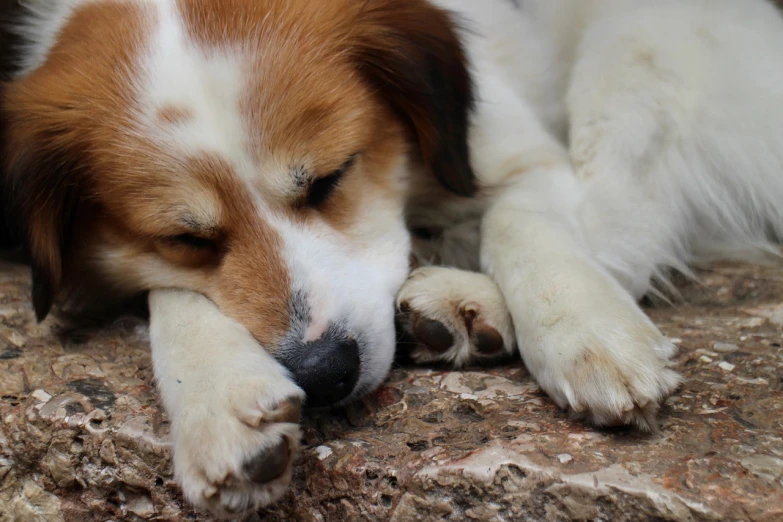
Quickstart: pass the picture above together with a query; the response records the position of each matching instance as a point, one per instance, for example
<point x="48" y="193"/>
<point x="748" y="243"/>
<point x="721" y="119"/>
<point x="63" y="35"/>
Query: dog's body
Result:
<point x="269" y="155"/>
<point x="615" y="139"/>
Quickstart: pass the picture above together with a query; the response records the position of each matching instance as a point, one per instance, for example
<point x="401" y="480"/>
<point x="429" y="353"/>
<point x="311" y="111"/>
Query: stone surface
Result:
<point x="82" y="436"/>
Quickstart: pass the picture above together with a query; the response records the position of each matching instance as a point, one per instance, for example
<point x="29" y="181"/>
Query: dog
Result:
<point x="265" y="169"/>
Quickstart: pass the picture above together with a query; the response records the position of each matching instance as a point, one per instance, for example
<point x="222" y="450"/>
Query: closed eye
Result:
<point x="322" y="188"/>
<point x="192" y="241"/>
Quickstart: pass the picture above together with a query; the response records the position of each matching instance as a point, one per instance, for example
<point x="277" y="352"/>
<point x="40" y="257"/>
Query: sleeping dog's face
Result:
<point x="258" y="152"/>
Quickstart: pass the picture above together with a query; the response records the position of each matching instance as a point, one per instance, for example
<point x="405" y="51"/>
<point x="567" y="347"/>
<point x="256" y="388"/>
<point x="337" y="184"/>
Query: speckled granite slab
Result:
<point x="82" y="436"/>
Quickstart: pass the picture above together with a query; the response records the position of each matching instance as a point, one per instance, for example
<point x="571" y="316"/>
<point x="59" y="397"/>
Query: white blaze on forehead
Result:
<point x="206" y="84"/>
<point x="211" y="86"/>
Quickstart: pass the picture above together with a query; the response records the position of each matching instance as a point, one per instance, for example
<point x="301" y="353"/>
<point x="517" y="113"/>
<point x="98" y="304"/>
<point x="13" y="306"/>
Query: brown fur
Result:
<point x="375" y="80"/>
<point x="51" y="133"/>
<point x="174" y="115"/>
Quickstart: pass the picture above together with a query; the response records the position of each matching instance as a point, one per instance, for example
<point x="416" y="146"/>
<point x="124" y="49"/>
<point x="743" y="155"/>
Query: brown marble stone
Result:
<point x="82" y="436"/>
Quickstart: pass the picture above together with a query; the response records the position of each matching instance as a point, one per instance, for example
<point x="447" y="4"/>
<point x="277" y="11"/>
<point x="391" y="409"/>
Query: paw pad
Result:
<point x="269" y="464"/>
<point x="454" y="316"/>
<point x="486" y="339"/>
<point x="433" y="334"/>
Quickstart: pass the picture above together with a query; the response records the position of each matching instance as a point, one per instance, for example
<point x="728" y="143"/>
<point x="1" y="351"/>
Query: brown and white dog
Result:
<point x="256" y="165"/>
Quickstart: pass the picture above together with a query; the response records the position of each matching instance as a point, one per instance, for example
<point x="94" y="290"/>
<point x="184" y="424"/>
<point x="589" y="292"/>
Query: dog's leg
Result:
<point x="581" y="334"/>
<point x="455" y="316"/>
<point x="234" y="412"/>
<point x="635" y="146"/>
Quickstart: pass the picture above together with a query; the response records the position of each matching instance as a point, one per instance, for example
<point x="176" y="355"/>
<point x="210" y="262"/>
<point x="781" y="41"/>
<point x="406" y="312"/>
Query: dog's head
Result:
<point x="258" y="152"/>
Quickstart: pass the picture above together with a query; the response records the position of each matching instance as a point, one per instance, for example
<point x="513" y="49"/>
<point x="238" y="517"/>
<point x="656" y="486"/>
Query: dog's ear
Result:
<point x="34" y="192"/>
<point x="411" y="53"/>
<point x="41" y="186"/>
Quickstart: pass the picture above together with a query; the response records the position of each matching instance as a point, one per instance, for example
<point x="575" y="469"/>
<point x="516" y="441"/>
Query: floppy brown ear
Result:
<point x="40" y="185"/>
<point x="410" y="51"/>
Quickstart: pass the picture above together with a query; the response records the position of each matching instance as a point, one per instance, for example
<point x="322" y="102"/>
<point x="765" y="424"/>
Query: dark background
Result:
<point x="7" y="10"/>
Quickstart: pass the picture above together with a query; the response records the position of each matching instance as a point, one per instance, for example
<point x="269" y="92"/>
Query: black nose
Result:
<point x="326" y="369"/>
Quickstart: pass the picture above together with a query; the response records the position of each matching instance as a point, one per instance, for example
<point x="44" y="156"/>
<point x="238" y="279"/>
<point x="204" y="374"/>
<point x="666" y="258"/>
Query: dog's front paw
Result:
<point x="455" y="316"/>
<point x="611" y="371"/>
<point x="234" y="444"/>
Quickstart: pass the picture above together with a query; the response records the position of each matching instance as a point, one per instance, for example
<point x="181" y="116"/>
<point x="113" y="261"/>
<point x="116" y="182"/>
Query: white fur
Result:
<point x="674" y="152"/>
<point x="354" y="286"/>
<point x="209" y="83"/>
<point x="221" y="393"/>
